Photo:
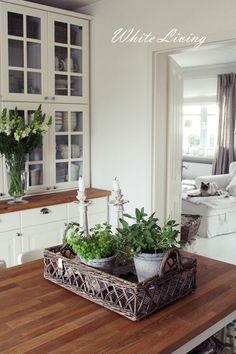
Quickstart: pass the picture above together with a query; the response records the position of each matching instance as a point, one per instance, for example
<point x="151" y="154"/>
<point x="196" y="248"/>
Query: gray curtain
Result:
<point x="226" y="98"/>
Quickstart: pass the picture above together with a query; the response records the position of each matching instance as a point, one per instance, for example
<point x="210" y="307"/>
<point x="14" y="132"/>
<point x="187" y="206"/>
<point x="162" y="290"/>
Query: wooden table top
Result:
<point x="46" y="199"/>
<point x="37" y="316"/>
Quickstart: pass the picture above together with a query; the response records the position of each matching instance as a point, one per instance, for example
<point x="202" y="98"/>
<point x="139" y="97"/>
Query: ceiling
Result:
<point x="206" y="56"/>
<point x="65" y="4"/>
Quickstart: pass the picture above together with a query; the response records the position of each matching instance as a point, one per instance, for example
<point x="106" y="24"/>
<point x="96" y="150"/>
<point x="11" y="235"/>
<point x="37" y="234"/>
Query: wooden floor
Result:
<point x="37" y="316"/>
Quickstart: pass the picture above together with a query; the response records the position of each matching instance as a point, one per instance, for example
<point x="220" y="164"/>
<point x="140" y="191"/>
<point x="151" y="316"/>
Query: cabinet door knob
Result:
<point x="53" y="98"/>
<point x="18" y="234"/>
<point x="55" y="187"/>
<point x="46" y="97"/>
<point x="44" y="211"/>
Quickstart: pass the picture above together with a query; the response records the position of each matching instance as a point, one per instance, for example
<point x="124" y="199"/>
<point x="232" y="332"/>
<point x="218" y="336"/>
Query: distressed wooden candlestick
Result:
<point x="118" y="202"/>
<point x="83" y="206"/>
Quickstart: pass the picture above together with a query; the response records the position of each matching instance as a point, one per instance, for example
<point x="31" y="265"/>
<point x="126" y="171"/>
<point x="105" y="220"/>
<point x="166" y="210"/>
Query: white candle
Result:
<point x="81" y="184"/>
<point x="116" y="186"/>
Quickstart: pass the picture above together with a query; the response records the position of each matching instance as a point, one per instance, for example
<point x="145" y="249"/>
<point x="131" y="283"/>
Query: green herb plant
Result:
<point x="99" y="243"/>
<point x="146" y="236"/>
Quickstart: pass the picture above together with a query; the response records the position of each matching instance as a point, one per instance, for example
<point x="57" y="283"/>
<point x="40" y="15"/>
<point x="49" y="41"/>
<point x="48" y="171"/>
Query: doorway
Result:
<point x="209" y="60"/>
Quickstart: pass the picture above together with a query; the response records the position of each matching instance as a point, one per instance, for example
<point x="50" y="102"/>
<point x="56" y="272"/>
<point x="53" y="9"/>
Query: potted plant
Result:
<point x="97" y="248"/>
<point x="148" y="241"/>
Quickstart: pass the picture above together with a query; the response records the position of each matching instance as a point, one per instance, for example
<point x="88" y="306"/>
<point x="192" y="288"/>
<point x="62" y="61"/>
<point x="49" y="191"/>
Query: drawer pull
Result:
<point x="44" y="211"/>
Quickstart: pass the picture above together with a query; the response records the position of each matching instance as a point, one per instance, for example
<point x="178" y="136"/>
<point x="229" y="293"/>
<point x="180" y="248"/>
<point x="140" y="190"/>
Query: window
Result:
<point x="200" y="125"/>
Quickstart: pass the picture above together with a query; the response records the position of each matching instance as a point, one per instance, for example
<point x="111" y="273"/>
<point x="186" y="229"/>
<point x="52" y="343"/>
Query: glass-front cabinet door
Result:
<point x="37" y="161"/>
<point x="25" y="44"/>
<point x="68" y="38"/>
<point x="69" y="142"/>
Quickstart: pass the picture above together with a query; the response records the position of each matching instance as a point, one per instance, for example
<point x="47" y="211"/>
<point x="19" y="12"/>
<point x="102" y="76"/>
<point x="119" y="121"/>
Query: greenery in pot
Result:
<point x="99" y="243"/>
<point x="148" y="241"/>
<point x="146" y="236"/>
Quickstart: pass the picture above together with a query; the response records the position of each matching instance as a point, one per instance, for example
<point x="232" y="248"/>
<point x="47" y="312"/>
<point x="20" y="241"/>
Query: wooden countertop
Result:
<point x="42" y="200"/>
<point x="37" y="316"/>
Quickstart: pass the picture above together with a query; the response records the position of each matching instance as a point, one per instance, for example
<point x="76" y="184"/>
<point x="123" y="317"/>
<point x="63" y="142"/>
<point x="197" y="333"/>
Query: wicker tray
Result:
<point x="123" y="294"/>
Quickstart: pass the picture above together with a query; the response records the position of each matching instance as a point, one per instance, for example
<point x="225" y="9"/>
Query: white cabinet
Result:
<point x="10" y="246"/>
<point x="44" y="55"/>
<point x="41" y="236"/>
<point x="43" y="227"/>
<point x="44" y="59"/>
<point x="10" y="237"/>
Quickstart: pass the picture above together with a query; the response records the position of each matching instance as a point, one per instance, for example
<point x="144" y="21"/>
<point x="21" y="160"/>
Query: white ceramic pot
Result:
<point x="147" y="265"/>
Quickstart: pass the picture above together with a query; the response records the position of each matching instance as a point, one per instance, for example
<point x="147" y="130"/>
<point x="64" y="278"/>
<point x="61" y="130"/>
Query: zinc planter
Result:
<point x="147" y="265"/>
<point x="106" y="264"/>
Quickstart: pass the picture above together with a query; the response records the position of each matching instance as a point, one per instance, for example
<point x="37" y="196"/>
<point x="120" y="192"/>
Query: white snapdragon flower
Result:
<point x="27" y="131"/>
<point x="44" y="127"/>
<point x="17" y="136"/>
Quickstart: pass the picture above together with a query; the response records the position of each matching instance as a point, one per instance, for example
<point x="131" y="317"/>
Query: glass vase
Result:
<point x="17" y="177"/>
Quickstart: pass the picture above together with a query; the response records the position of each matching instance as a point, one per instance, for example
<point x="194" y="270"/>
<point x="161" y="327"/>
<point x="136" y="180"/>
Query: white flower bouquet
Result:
<point x="17" y="139"/>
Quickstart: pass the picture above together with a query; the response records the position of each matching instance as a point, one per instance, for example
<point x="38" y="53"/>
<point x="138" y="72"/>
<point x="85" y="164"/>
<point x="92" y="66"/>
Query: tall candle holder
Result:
<point x="118" y="202"/>
<point x="83" y="206"/>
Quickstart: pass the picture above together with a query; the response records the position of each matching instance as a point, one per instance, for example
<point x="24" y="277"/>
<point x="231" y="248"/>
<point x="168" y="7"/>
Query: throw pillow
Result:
<point x="231" y="183"/>
<point x="231" y="188"/>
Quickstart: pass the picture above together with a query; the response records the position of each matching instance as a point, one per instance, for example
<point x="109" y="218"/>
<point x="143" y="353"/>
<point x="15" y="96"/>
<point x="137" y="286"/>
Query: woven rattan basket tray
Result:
<point x="122" y="293"/>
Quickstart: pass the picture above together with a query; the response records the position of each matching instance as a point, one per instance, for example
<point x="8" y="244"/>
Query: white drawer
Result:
<point x="43" y="215"/>
<point x="10" y="221"/>
<point x="98" y="205"/>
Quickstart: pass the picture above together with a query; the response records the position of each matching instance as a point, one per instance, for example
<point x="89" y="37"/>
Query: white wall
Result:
<point x="120" y="90"/>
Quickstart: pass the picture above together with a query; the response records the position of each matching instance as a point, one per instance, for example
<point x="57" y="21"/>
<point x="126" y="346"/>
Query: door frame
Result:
<point x="157" y="127"/>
